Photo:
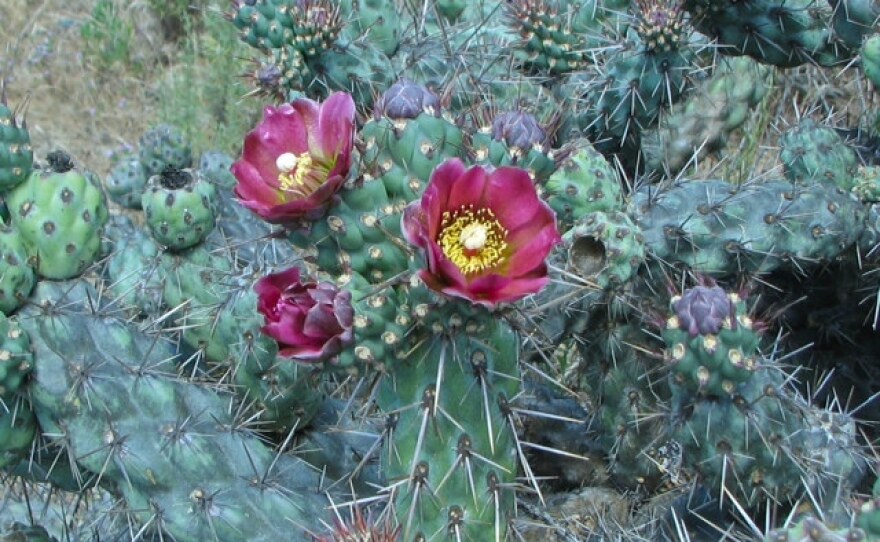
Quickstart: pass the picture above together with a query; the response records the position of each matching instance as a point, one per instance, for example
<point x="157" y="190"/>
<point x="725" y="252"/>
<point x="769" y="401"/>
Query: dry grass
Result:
<point x="70" y="106"/>
<point x="81" y="103"/>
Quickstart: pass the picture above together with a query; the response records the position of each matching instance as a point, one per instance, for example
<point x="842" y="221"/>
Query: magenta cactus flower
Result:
<point x="296" y="160"/>
<point x="485" y="235"/>
<point x="311" y="321"/>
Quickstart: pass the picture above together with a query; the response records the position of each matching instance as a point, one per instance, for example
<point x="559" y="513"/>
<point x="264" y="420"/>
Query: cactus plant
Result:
<point x="382" y="316"/>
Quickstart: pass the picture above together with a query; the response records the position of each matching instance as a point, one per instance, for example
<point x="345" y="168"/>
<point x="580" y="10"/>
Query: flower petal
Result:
<point x="469" y="188"/>
<point x="334" y="133"/>
<point x="443" y="179"/>
<point x="511" y="196"/>
<point x="412" y="224"/>
<point x="533" y="251"/>
<point x="283" y="130"/>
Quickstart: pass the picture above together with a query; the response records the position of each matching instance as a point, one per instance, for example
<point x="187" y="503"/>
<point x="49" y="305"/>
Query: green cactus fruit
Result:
<point x="515" y="138"/>
<point x="16" y="359"/>
<point x="16" y="153"/>
<point x="264" y="24"/>
<point x="279" y="72"/>
<point x="702" y="122"/>
<point x="179" y="208"/>
<point x="584" y="183"/>
<point x="814" y="153"/>
<point x="19" y="532"/>
<point x="126" y="181"/>
<point x="164" y="146"/>
<point x="660" y="25"/>
<point x="606" y="248"/>
<point x="711" y="343"/>
<point x="215" y="167"/>
<point x="870" y="55"/>
<point x="718" y="228"/>
<point x="17" y="276"/>
<point x="60" y="215"/>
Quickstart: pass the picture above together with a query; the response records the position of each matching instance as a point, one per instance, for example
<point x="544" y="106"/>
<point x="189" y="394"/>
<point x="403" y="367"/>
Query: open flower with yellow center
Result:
<point x="485" y="235"/>
<point x="296" y="160"/>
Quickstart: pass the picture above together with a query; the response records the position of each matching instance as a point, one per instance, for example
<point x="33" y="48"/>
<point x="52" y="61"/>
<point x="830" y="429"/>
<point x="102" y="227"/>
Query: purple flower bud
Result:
<point x="701" y="310"/>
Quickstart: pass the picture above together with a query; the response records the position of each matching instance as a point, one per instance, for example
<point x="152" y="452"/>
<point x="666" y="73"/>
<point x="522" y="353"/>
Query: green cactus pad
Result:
<point x="163" y="444"/>
<point x="215" y="166"/>
<point x="16" y="359"/>
<point x="19" y="532"/>
<point x="779" y="32"/>
<point x="812" y="153"/>
<point x="583" y="183"/>
<point x="18" y="427"/>
<point x="17" y="276"/>
<point x="126" y="181"/>
<point x="713" y="363"/>
<point x="607" y="248"/>
<point x="164" y="146"/>
<point x="719" y="228"/>
<point x="702" y="122"/>
<point x="870" y="55"/>
<point x="16" y="153"/>
<point x="448" y="405"/>
<point x="812" y="529"/>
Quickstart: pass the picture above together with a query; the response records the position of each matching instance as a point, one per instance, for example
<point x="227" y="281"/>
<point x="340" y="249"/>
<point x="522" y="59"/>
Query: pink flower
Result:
<point x="485" y="235"/>
<point x="310" y="321"/>
<point x="296" y="159"/>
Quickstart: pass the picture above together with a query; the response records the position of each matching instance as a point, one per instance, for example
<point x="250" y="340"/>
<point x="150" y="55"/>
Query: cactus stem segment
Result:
<point x="472" y="239"/>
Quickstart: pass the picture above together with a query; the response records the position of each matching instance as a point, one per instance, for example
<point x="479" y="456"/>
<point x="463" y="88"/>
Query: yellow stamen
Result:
<point x="472" y="239"/>
<point x="293" y="170"/>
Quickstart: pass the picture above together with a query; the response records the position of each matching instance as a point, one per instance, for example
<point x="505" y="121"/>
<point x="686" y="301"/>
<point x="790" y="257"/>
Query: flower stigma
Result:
<point x="293" y="170"/>
<point x="473" y="240"/>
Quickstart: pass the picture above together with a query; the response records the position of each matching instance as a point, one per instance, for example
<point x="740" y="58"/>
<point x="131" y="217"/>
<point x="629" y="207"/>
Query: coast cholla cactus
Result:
<point x="485" y="234"/>
<point x="311" y="321"/>
<point x="296" y="159"/>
